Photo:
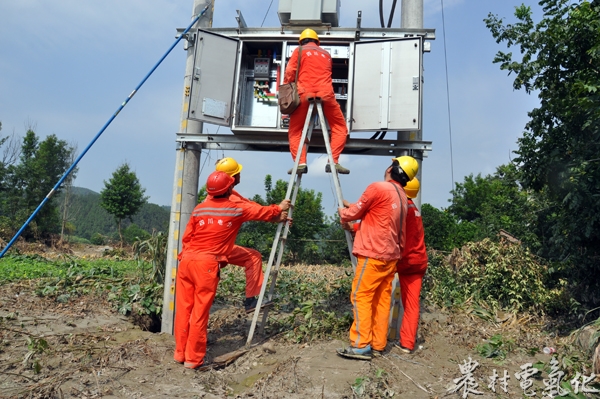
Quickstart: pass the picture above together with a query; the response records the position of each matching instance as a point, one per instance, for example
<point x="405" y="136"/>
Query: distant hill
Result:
<point x="89" y="218"/>
<point x="82" y="191"/>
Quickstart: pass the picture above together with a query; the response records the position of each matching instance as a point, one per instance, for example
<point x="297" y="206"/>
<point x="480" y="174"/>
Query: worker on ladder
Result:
<point x="207" y="241"/>
<point x="248" y="258"/>
<point x="379" y="242"/>
<point x="314" y="80"/>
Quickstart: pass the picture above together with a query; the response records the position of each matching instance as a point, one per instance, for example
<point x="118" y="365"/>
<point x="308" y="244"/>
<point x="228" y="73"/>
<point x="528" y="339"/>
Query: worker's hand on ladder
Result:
<point x="285" y="205"/>
<point x="283" y="216"/>
<point x="346" y="204"/>
<point x="348" y="226"/>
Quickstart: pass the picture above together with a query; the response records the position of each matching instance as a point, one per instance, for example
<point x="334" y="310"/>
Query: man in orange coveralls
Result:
<point x="379" y="241"/>
<point x="208" y="239"/>
<point x="411" y="269"/>
<point x="314" y="80"/>
<point x="249" y="259"/>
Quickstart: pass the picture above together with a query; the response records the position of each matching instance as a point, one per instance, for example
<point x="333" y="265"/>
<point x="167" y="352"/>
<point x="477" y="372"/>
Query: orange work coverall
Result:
<point x="248" y="258"/>
<point x="378" y="245"/>
<point x="411" y="269"/>
<point x="208" y="238"/>
<point x="314" y="80"/>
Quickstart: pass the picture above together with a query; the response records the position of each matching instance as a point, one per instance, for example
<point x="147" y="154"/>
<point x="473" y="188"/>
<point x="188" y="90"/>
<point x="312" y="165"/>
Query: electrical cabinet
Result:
<point x="378" y="83"/>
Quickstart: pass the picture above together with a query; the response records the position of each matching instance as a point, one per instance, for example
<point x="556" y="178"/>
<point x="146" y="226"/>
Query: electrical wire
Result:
<point x="390" y="18"/>
<point x="448" y="95"/>
<point x="389" y="25"/>
<point x="267" y="13"/>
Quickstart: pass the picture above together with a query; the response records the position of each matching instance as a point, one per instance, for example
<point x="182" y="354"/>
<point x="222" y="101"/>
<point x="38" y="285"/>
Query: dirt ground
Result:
<point x="84" y="349"/>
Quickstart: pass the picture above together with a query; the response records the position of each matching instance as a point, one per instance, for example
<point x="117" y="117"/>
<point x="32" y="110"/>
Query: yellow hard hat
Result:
<point x="409" y="165"/>
<point x="229" y="166"/>
<point x="412" y="188"/>
<point x="308" y="34"/>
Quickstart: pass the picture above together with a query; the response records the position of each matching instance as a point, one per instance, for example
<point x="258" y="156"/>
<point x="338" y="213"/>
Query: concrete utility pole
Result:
<point x="187" y="171"/>
<point x="412" y="17"/>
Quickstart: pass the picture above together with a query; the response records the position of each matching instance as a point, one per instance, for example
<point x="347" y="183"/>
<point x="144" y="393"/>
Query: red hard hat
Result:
<point x="218" y="183"/>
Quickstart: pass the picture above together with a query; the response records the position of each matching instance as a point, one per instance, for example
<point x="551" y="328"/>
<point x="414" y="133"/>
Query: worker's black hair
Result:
<point x="304" y="42"/>
<point x="398" y="174"/>
<point x="226" y="194"/>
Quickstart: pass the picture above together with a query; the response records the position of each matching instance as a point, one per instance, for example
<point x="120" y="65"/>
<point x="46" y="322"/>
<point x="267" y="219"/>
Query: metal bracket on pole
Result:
<point x="240" y="20"/>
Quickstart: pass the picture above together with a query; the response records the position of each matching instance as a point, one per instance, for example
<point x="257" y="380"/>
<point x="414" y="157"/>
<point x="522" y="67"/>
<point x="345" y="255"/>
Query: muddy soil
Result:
<point x="84" y="349"/>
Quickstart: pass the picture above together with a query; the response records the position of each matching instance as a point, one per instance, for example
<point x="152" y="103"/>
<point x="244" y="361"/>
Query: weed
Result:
<point x="36" y="346"/>
<point x="359" y="386"/>
<point x="376" y="386"/>
<point x="153" y="250"/>
<point x="497" y="347"/>
<point x="310" y="321"/>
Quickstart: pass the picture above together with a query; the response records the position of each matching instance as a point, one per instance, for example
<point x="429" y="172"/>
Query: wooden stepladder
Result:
<point x="291" y="194"/>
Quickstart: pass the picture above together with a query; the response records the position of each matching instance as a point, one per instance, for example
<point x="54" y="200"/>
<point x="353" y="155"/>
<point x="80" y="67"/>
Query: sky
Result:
<point x="67" y="65"/>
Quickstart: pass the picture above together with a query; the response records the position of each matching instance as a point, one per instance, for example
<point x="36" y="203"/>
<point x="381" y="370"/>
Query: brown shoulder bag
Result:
<point x="288" y="98"/>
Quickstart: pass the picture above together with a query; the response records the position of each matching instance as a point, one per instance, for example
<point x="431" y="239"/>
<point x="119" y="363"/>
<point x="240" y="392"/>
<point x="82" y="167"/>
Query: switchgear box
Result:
<point x="378" y="83"/>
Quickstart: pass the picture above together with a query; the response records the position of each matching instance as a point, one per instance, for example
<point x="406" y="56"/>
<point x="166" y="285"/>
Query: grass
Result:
<point x="23" y="267"/>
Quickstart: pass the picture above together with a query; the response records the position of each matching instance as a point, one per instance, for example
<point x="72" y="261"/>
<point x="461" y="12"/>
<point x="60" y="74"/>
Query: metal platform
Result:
<point x="278" y="142"/>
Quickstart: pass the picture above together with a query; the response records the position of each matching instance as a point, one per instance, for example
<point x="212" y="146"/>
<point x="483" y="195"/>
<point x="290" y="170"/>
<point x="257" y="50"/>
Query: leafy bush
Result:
<point x="496" y="347"/>
<point x="501" y="275"/>
<point x="444" y="232"/>
<point x="134" y="233"/>
<point x="98" y="239"/>
<point x="310" y="321"/>
<point x="314" y="300"/>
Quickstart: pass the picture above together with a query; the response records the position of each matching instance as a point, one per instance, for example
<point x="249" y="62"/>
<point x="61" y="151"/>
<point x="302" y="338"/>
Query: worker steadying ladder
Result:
<point x="208" y="240"/>
<point x="380" y="240"/>
<point x="248" y="258"/>
<point x="314" y="80"/>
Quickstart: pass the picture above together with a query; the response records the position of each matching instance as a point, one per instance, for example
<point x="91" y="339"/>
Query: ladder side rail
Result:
<point x="297" y="183"/>
<point x="277" y="238"/>
<point x="335" y="176"/>
<point x="264" y="285"/>
<point x="275" y="272"/>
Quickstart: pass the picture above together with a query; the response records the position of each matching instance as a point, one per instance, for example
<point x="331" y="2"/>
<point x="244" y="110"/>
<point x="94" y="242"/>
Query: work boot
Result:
<point x="250" y="304"/>
<point x="339" y="168"/>
<point x="356" y="353"/>
<point x="192" y="366"/>
<point x="377" y="353"/>
<point x="302" y="168"/>
<point x="402" y="348"/>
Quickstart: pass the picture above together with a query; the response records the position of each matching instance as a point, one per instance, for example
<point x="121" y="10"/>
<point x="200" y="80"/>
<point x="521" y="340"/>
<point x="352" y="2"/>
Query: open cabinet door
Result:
<point x="213" y="77"/>
<point x="387" y="85"/>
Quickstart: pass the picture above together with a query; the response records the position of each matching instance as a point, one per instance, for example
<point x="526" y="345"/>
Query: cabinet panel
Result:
<point x="213" y="76"/>
<point x="387" y="85"/>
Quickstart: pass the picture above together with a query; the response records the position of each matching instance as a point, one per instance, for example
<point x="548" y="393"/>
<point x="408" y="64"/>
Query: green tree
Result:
<point x="333" y="247"/>
<point x="443" y="231"/>
<point x="122" y="196"/>
<point x="26" y="183"/>
<point x="497" y="202"/>
<point x="302" y="244"/>
<point x="558" y="153"/>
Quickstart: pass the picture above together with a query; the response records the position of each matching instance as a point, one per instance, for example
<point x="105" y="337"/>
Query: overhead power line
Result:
<point x="448" y="95"/>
